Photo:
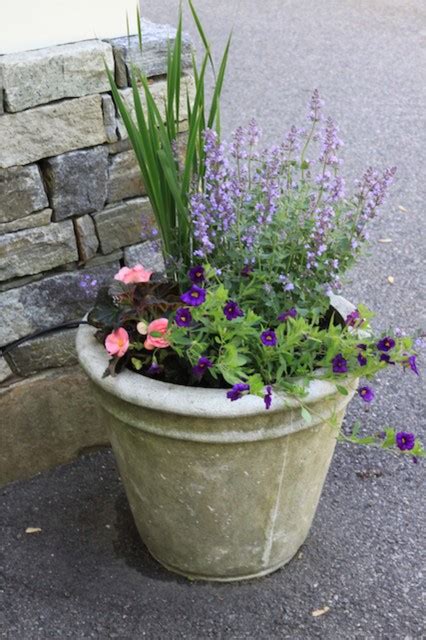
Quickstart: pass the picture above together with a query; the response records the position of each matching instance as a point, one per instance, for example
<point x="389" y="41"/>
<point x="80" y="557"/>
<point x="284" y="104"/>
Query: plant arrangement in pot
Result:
<point x="225" y="378"/>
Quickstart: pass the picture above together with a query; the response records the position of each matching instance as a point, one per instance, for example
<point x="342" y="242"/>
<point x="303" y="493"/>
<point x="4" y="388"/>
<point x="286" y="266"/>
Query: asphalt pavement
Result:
<point x="86" y="574"/>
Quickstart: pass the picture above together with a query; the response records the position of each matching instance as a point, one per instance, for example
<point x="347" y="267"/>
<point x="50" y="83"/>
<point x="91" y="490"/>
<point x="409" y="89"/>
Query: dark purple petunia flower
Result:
<point x="386" y="344"/>
<point x="366" y="393"/>
<point x="267" y="398"/>
<point x="232" y="310"/>
<point x="405" y="441"/>
<point x="237" y="391"/>
<point x="246" y="271"/>
<point x="194" y="296"/>
<point x="291" y="313"/>
<point x="362" y="360"/>
<point x="196" y="274"/>
<point x="155" y="369"/>
<point x="183" y="317"/>
<point x="353" y="318"/>
<point x="269" y="338"/>
<point x="340" y="365"/>
<point x="384" y="357"/>
<point x="412" y="364"/>
<point x="202" y="365"/>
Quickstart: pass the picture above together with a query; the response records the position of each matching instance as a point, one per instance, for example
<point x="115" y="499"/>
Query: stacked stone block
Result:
<point x="73" y="209"/>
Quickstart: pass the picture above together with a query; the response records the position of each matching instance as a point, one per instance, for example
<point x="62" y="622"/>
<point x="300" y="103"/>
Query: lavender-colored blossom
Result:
<point x="314" y="107"/>
<point x="291" y="313"/>
<point x="237" y="391"/>
<point x="371" y="195"/>
<point x="366" y="393"/>
<point x="269" y="338"/>
<point x="232" y="310"/>
<point x="267" y="398"/>
<point x="196" y="274"/>
<point x="385" y="344"/>
<point x="213" y="211"/>
<point x="331" y="143"/>
<point x="339" y="364"/>
<point x="405" y="440"/>
<point x="201" y="367"/>
<point x="183" y="317"/>
<point x="194" y="296"/>
<point x="87" y="281"/>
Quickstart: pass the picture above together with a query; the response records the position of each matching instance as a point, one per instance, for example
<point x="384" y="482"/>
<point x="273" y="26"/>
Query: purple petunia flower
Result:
<point x="412" y="364"/>
<point x="385" y="357"/>
<point x="386" y="344"/>
<point x="183" y="317"/>
<point x="232" y="310"/>
<point x="267" y="398"/>
<point x="362" y="360"/>
<point x="237" y="391"/>
<point x="291" y="313"/>
<point x="155" y="369"/>
<point x="246" y="271"/>
<point x="340" y="365"/>
<point x="196" y="274"/>
<point x="366" y="393"/>
<point x="269" y="338"/>
<point x="405" y="441"/>
<point x="202" y="365"/>
<point x="194" y="296"/>
<point x="353" y="318"/>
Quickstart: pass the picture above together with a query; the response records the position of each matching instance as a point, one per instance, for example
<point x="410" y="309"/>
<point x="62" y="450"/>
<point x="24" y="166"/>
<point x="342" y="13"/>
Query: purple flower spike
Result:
<point x="353" y="318"/>
<point x="269" y="338"/>
<point x="340" y="365"/>
<point x="194" y="296"/>
<point x="411" y="362"/>
<point x="200" y="368"/>
<point x="366" y="393"/>
<point x="291" y="313"/>
<point x="386" y="344"/>
<point x="183" y="317"/>
<point x="232" y="310"/>
<point x="405" y="441"/>
<point x="267" y="398"/>
<point x="237" y="391"/>
<point x="196" y="274"/>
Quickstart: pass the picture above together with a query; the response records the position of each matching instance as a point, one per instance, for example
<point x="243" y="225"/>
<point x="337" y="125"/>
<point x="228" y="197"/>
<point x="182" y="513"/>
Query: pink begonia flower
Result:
<point x="117" y="342"/>
<point x="133" y="275"/>
<point x="155" y="342"/>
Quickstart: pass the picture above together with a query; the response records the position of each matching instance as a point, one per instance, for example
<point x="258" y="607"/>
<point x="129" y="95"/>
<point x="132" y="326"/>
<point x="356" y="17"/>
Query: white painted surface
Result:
<point x="33" y="24"/>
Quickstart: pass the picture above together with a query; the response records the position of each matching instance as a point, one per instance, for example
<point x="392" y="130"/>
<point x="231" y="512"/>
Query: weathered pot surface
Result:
<point x="219" y="490"/>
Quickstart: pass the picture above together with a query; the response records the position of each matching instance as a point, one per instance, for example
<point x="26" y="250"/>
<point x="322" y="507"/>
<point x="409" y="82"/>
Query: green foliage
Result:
<point x="155" y="141"/>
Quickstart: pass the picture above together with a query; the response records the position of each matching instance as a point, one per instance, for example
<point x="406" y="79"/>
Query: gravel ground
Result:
<point x="86" y="574"/>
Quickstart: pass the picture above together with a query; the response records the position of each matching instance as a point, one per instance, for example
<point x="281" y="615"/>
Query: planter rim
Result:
<point x="189" y="401"/>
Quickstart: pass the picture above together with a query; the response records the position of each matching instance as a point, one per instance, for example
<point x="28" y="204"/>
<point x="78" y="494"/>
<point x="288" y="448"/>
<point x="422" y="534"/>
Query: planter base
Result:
<point x="250" y="576"/>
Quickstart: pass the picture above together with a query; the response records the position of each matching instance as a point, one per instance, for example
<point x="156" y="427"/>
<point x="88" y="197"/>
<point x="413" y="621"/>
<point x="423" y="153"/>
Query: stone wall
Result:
<point x="73" y="210"/>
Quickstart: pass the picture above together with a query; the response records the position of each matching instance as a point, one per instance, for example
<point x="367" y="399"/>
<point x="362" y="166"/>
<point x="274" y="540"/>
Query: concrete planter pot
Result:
<point x="219" y="490"/>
